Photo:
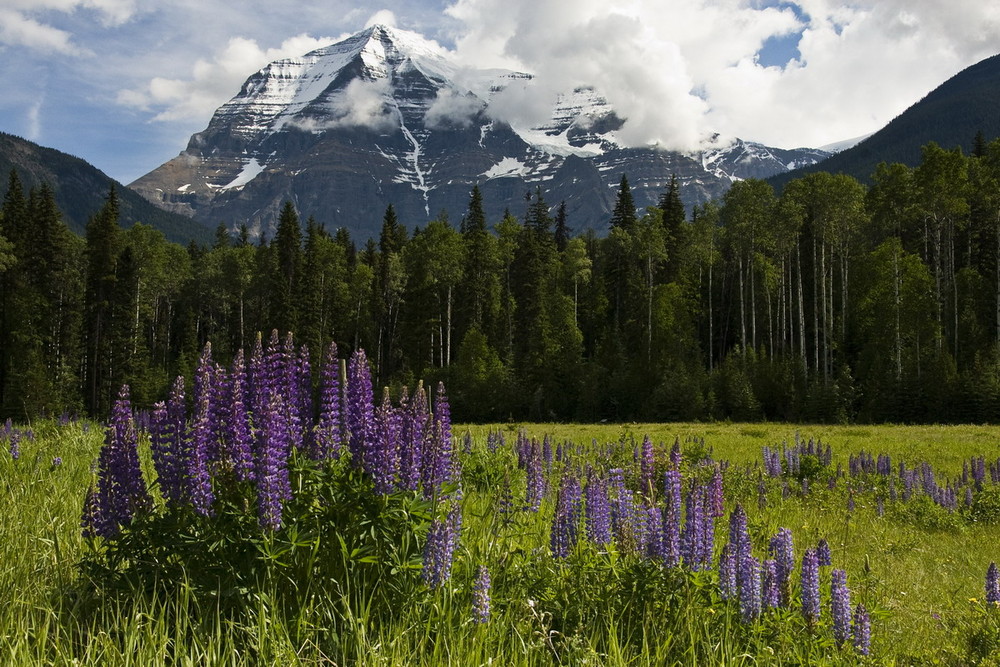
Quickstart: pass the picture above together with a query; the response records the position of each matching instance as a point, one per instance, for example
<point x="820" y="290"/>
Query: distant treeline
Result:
<point x="828" y="302"/>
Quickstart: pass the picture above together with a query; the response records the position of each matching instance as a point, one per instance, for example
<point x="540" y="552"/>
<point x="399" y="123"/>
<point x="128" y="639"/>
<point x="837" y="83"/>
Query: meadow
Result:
<point x="917" y="566"/>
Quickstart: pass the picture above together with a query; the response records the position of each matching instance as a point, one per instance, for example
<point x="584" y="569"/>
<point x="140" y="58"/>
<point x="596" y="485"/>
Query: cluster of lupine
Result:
<point x="757" y="586"/>
<point x="13" y="437"/>
<point x="442" y="539"/>
<point x="788" y="459"/>
<point x="922" y="479"/>
<point x="495" y="440"/>
<point x="120" y="492"/>
<point x="247" y="422"/>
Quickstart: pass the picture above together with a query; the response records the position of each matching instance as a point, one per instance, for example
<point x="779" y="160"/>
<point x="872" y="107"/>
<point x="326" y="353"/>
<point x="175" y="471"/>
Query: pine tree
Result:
<point x="287" y="247"/>
<point x="562" y="228"/>
<point x="674" y="218"/>
<point x="623" y="216"/>
<point x="103" y="247"/>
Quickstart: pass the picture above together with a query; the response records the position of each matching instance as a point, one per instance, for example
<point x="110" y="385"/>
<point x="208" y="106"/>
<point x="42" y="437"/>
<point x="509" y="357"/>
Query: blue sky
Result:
<point x="124" y="83"/>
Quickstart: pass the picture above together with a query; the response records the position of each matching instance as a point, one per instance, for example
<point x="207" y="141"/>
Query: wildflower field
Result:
<point x="268" y="514"/>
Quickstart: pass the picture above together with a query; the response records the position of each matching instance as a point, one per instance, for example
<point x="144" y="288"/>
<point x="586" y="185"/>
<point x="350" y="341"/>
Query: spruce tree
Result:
<point x="287" y="247"/>
<point x="623" y="216"/>
<point x="674" y="218"/>
<point x="103" y="247"/>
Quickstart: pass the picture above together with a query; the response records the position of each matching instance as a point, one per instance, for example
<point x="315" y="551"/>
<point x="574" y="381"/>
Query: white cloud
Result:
<point x="16" y="29"/>
<point x="682" y="71"/>
<point x="451" y="108"/>
<point x="383" y="17"/>
<point x="214" y="81"/>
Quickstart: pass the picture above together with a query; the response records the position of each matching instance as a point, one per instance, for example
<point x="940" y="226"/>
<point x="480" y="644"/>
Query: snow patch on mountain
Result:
<point x="251" y="170"/>
<point x="507" y="167"/>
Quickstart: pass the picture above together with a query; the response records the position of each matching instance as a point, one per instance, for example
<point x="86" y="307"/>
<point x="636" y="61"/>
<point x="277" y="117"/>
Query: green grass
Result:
<point x="918" y="571"/>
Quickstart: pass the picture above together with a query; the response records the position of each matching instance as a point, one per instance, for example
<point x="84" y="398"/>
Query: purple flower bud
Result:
<point x="598" y="510"/>
<point x="840" y="605"/>
<point x="992" y="584"/>
<point x="274" y="440"/>
<point x="823" y="553"/>
<point x="360" y="411"/>
<point x="565" y="525"/>
<point x="121" y="489"/>
<point x="442" y="538"/>
<point x="862" y="630"/>
<point x="727" y="573"/>
<point x="238" y="440"/>
<point x="750" y="591"/>
<point x="810" y="586"/>
<point x="781" y="549"/>
<point x="672" y="518"/>
<point x="481" y="596"/>
<point x="771" y="586"/>
<point x="646" y="464"/>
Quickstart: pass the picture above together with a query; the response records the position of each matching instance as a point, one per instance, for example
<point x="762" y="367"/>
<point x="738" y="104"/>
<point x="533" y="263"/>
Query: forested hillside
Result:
<point x="960" y="113"/>
<point x="79" y="188"/>
<point x="830" y="302"/>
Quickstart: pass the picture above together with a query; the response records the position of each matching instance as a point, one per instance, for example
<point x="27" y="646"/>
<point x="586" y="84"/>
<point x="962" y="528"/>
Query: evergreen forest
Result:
<point x="830" y="301"/>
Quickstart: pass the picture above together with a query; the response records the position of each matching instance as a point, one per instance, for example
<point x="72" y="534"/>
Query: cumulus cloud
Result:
<point x="26" y="22"/>
<point x="213" y="81"/>
<point x="452" y="108"/>
<point x="681" y="72"/>
<point x="16" y="29"/>
<point x="381" y="17"/>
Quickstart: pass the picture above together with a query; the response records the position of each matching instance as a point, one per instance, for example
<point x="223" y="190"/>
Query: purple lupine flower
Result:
<point x="442" y="414"/>
<point x="654" y="532"/>
<point x="274" y="440"/>
<point x="739" y="537"/>
<point x="15" y="447"/>
<point x="121" y="489"/>
<point x="415" y="420"/>
<point x="385" y="451"/>
<point x="707" y="545"/>
<point x="481" y="596"/>
<point x="565" y="524"/>
<point x="694" y="524"/>
<point x="535" y="478"/>
<point x="672" y="518"/>
<point x="256" y="379"/>
<point x="810" y="586"/>
<point x="727" y="573"/>
<point x="168" y="435"/>
<point x="360" y="411"/>
<point x="92" y="522"/>
<point x="771" y="586"/>
<point x="57" y="461"/>
<point x="861" y="630"/>
<point x="781" y="549"/>
<point x="442" y="538"/>
<point x="598" y="511"/>
<point x="823" y="553"/>
<point x="304" y="396"/>
<point x="202" y="441"/>
<point x="646" y="463"/>
<point x="675" y="454"/>
<point x="239" y="439"/>
<point x="717" y="499"/>
<point x="750" y="590"/>
<point x="840" y="605"/>
<point x="992" y="584"/>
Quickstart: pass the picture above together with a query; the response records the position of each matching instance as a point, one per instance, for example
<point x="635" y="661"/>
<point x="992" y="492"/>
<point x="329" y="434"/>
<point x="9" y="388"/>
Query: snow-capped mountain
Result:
<point x="386" y="116"/>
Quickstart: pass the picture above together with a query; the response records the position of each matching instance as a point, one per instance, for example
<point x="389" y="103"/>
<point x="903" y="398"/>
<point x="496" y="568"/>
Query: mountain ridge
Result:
<point x="950" y="115"/>
<point x="80" y="189"/>
<point x="384" y="117"/>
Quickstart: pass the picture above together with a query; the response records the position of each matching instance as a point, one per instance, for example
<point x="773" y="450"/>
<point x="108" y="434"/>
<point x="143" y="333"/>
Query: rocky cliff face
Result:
<point x="386" y="117"/>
